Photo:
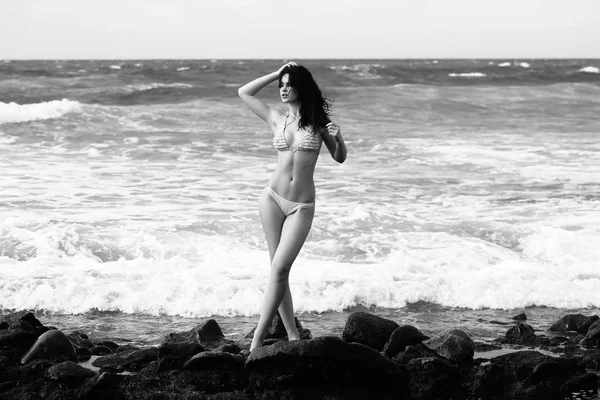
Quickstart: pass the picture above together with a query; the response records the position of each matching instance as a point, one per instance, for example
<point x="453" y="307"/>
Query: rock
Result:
<point x="68" y="370"/>
<point x="229" y="348"/>
<point x="453" y="344"/>
<point x="26" y="316"/>
<point x="413" y="352"/>
<point x="304" y="333"/>
<point x="268" y="342"/>
<point x="210" y="331"/>
<point x="553" y="369"/>
<point x="277" y="329"/>
<point x="368" y="329"/>
<point x="591" y="360"/>
<point x="107" y="343"/>
<point x="179" y="350"/>
<point x="404" y="335"/>
<point x="505" y="375"/>
<point x="520" y="317"/>
<point x="305" y="365"/>
<point x="129" y="360"/>
<point x="574" y="341"/>
<point x="205" y="332"/>
<point x="494" y="322"/>
<point x="80" y="340"/>
<point x="592" y="337"/>
<point x="126" y="348"/>
<point x="22" y="325"/>
<point x="108" y="380"/>
<point x="50" y="344"/>
<point x="100" y="350"/>
<point x="574" y="322"/>
<point x="213" y="360"/>
<point x="81" y="335"/>
<point x="557" y="341"/>
<point x="530" y="375"/>
<point x="434" y="378"/>
<point x="164" y="364"/>
<point x="82" y="354"/>
<point x="17" y="339"/>
<point x="521" y="333"/>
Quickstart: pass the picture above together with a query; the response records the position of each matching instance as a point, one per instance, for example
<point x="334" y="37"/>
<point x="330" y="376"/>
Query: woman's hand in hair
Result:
<point x="289" y="64"/>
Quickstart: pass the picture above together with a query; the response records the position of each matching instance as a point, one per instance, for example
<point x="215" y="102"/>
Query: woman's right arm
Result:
<point x="248" y="91"/>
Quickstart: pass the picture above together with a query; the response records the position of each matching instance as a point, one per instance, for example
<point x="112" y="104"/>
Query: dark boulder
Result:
<point x="133" y="360"/>
<point x="528" y="375"/>
<point x="82" y="354"/>
<point x="213" y="360"/>
<point x="229" y="348"/>
<point x="208" y="331"/>
<point x="413" y="352"/>
<point x="368" y="329"/>
<point x="179" y="350"/>
<point x="322" y="364"/>
<point x="26" y="316"/>
<point x="17" y="339"/>
<point x="574" y="322"/>
<point x="80" y="340"/>
<point x="404" y="335"/>
<point x="453" y="344"/>
<point x="126" y="348"/>
<point x="434" y="378"/>
<point x="592" y="337"/>
<point x="50" y="344"/>
<point x="68" y="370"/>
<point x="553" y="369"/>
<point x="520" y="317"/>
<point x="521" y="333"/>
<point x="100" y="350"/>
<point x="22" y="325"/>
<point x="107" y="343"/>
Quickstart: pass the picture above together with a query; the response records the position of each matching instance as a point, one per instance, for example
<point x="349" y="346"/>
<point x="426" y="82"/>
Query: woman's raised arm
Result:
<point x="248" y="91"/>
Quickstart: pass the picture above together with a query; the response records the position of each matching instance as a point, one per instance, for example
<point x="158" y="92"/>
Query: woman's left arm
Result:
<point x="335" y="142"/>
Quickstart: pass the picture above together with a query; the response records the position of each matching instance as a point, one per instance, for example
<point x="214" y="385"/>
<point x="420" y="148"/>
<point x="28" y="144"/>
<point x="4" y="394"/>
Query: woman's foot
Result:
<point x="256" y="342"/>
<point x="245" y="353"/>
<point x="294" y="336"/>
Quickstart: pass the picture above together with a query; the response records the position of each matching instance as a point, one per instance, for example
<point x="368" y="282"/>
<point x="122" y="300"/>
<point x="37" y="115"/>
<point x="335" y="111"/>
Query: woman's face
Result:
<point x="286" y="91"/>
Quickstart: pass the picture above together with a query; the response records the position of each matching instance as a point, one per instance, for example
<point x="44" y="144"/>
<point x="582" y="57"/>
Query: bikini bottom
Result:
<point x="287" y="207"/>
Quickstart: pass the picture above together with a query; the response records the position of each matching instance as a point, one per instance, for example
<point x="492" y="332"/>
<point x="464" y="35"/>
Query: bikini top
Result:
<point x="309" y="142"/>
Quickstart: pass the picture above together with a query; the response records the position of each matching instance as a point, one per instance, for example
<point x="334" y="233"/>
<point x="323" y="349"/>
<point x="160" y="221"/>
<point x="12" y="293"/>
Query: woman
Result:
<point x="287" y="204"/>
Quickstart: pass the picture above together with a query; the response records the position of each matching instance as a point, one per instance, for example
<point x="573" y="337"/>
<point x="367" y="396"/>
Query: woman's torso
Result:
<point x="298" y="151"/>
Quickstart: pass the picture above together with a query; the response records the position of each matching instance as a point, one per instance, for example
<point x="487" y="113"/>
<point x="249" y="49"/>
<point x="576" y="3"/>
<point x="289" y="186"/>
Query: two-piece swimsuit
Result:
<point x="310" y="142"/>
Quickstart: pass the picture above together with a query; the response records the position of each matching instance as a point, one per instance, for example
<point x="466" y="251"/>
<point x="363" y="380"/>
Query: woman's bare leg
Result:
<point x="294" y="231"/>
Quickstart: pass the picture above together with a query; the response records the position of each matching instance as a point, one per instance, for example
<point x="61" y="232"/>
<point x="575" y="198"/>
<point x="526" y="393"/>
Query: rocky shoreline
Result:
<point x="376" y="358"/>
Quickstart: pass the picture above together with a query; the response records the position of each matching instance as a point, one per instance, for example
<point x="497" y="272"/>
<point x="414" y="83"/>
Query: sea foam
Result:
<point x="468" y="74"/>
<point x="65" y="268"/>
<point x="591" y="70"/>
<point x="13" y="112"/>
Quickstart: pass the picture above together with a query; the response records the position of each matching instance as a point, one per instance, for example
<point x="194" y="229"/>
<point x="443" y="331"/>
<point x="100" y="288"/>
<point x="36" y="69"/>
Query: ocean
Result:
<point x="129" y="195"/>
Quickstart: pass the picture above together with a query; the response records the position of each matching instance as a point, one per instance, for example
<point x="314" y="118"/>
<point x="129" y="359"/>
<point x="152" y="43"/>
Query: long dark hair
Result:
<point x="314" y="106"/>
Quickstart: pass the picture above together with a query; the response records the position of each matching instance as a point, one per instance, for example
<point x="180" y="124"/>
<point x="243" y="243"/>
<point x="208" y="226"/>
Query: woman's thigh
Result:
<point x="294" y="231"/>
<point x="271" y="218"/>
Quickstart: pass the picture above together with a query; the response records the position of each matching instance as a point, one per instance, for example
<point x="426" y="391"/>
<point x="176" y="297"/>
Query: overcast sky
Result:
<point x="299" y="29"/>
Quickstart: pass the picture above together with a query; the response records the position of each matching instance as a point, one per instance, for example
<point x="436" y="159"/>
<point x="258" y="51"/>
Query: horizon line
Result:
<point x="299" y="58"/>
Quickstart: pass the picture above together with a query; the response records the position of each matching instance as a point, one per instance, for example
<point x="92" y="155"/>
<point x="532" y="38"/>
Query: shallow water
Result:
<point x="129" y="195"/>
<point x="482" y="325"/>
